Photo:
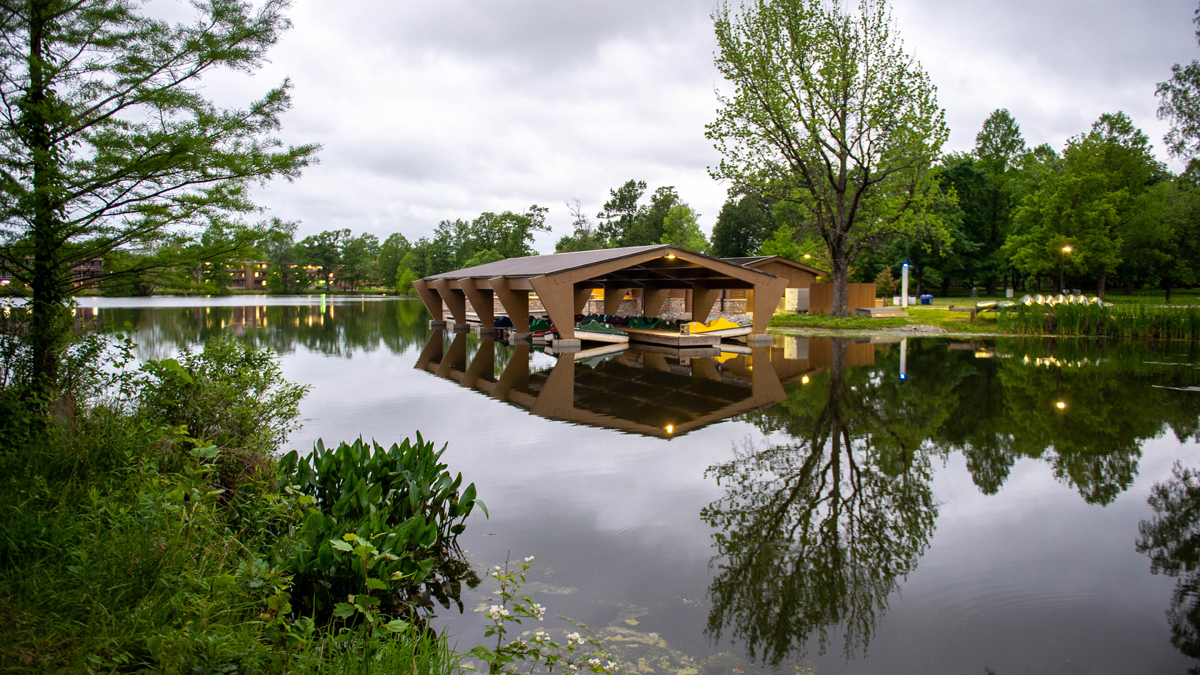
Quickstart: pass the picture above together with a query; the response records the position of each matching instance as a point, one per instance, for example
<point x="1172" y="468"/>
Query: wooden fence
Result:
<point x="820" y="297"/>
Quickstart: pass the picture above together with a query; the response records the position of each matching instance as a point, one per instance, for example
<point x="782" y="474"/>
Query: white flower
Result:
<point x="529" y="559"/>
<point x="497" y="568"/>
<point x="595" y="663"/>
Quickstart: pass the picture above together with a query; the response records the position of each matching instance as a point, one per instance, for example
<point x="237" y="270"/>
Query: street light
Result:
<point x="1062" y="261"/>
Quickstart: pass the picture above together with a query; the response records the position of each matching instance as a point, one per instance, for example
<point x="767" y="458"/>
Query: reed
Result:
<point x="1145" y="322"/>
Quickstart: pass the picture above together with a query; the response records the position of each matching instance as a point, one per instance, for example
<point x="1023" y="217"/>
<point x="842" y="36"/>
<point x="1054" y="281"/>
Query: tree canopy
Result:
<point x="830" y="114"/>
<point x="109" y="142"/>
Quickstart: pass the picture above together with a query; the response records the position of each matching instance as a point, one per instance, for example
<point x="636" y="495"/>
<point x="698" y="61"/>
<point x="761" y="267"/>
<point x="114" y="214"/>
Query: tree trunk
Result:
<point x="1100" y="283"/>
<point x="1167" y="285"/>
<point x="841" y="294"/>
<point x="47" y="326"/>
<point x="991" y="285"/>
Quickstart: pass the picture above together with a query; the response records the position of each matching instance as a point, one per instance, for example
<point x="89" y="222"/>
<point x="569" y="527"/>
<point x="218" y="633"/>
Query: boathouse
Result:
<point x="565" y="282"/>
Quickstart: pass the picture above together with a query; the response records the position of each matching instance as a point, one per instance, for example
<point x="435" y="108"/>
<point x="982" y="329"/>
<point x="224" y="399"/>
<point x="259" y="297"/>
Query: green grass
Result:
<point x="954" y="322"/>
<point x="824" y="321"/>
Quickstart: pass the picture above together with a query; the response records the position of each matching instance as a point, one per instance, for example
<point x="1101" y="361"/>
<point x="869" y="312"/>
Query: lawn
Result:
<point x="955" y="322"/>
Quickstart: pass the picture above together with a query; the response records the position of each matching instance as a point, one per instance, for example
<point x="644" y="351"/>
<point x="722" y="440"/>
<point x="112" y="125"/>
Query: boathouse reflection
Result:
<point x="634" y="388"/>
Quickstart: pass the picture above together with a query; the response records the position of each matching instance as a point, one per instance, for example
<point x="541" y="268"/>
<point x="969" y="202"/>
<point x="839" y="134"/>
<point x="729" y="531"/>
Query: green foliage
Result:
<point x="742" y="227"/>
<point x="1179" y="103"/>
<point x="380" y="527"/>
<point x="1089" y="201"/>
<point x="862" y="119"/>
<point x="885" y="283"/>
<point x="324" y="250"/>
<point x="111" y="144"/>
<point x="782" y="243"/>
<point x="230" y="394"/>
<point x="680" y="228"/>
<point x="123" y="549"/>
<point x="840" y="322"/>
<point x="286" y="275"/>
<point x="404" y="285"/>
<point x="483" y="257"/>
<point x="583" y="236"/>
<point x="626" y="222"/>
<point x="539" y="649"/>
<point x="359" y="260"/>
<point x="391" y="256"/>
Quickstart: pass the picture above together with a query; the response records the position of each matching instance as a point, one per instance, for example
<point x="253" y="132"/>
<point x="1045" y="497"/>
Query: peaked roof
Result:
<point x="753" y="261"/>
<point x="537" y="265"/>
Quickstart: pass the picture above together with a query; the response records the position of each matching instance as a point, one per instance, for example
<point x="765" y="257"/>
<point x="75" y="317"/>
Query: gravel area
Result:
<point x="915" y="329"/>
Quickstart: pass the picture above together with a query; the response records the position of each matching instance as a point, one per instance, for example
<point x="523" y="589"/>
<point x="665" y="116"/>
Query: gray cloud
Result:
<point x="431" y="111"/>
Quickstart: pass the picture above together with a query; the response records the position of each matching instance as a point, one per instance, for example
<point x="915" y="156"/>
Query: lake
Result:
<point x="824" y="505"/>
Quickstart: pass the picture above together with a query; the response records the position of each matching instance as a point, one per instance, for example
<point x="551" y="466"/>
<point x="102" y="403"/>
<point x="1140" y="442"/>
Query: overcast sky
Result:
<point x="444" y="109"/>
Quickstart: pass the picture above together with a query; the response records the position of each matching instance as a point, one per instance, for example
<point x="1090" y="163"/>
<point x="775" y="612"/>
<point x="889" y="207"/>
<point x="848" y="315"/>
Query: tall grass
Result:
<point x="1145" y="322"/>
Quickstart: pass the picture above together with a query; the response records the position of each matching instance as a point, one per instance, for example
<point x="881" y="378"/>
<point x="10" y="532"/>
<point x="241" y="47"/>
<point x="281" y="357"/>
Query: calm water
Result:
<point x="828" y="506"/>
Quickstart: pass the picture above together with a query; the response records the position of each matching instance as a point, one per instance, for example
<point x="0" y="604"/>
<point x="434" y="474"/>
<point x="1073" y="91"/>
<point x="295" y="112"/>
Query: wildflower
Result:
<point x="595" y="663"/>
<point x="574" y="637"/>
<point x="529" y="559"/>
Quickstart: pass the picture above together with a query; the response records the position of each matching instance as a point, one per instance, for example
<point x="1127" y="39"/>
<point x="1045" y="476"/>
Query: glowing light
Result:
<point x="670" y="428"/>
<point x="670" y="256"/>
<point x="804" y="380"/>
<point x="906" y="264"/>
<point x="903" y="376"/>
<point x="807" y="256"/>
<point x="1066" y="249"/>
<point x="1061" y="405"/>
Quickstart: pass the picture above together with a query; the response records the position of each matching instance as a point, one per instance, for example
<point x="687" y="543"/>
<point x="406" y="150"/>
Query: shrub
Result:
<point x="380" y="528"/>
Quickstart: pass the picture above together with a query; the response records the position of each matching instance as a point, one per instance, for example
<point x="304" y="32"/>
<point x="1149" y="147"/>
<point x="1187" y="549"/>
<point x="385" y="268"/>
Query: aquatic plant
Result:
<point x="1147" y="322"/>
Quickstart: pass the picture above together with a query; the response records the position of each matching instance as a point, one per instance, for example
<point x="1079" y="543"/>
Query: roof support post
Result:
<point x="613" y="298"/>
<point x="655" y="298"/>
<point x="582" y="295"/>
<point x="558" y="296"/>
<point x="479" y="293"/>
<point x="515" y="302"/>
<point x="764" y="381"/>
<point x="767" y="293"/>
<point x="703" y="299"/>
<point x="454" y="298"/>
<point x="433" y="301"/>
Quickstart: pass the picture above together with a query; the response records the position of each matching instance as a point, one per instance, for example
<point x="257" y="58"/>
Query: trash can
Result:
<point x="926" y="299"/>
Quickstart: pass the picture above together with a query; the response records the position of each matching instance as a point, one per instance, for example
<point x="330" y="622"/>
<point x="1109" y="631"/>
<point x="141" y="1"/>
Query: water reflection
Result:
<point x="813" y="533"/>
<point x="337" y="328"/>
<point x="1172" y="541"/>
<point x="815" y="530"/>
<point x="629" y="388"/>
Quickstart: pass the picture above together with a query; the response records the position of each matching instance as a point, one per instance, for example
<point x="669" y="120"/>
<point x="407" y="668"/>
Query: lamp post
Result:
<point x="904" y="286"/>
<point x="1062" y="261"/>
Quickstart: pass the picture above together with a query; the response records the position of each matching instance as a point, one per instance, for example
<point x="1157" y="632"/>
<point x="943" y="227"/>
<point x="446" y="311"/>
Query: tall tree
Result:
<point x="828" y="113"/>
<point x="999" y="148"/>
<point x="583" y="235"/>
<point x="1088" y="203"/>
<point x="1179" y="103"/>
<point x="681" y="228"/>
<point x="324" y="250"/>
<point x="620" y="211"/>
<point x="391" y="252"/>
<point x="287" y="274"/>
<point x="109" y="143"/>
<point x="360" y="260"/>
<point x="742" y="227"/>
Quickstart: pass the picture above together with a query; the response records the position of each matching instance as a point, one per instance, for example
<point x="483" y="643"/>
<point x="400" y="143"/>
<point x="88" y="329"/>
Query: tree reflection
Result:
<point x="1172" y="541"/>
<point x="1115" y="397"/>
<point x="813" y="534"/>
<point x="338" y="329"/>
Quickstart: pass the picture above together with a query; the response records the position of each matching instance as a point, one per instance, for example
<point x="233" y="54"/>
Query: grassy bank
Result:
<point x="149" y="526"/>
<point x="954" y="322"/>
